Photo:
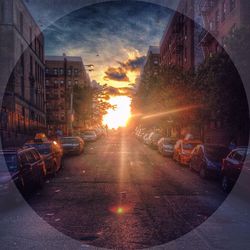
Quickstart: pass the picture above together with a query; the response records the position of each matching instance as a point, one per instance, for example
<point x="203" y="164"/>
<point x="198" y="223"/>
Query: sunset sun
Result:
<point x="119" y="116"/>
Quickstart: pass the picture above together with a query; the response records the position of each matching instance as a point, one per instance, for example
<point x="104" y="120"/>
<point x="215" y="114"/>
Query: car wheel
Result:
<point x="203" y="172"/>
<point x="225" y="183"/>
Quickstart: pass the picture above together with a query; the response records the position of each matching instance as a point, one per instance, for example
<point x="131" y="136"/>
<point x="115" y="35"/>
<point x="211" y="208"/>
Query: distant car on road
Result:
<point x="51" y="152"/>
<point x="25" y="168"/>
<point x="72" y="144"/>
<point x="232" y="166"/>
<point x="207" y="159"/>
<point x="89" y="135"/>
<point x="166" y="146"/>
<point x="183" y="149"/>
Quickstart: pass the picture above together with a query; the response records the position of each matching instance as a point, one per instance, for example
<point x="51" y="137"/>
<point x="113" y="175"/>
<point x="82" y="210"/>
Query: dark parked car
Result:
<point x="154" y="140"/>
<point x="25" y="167"/>
<point x="207" y="159"/>
<point x="72" y="144"/>
<point x="51" y="152"/>
<point x="232" y="166"/>
<point x="166" y="146"/>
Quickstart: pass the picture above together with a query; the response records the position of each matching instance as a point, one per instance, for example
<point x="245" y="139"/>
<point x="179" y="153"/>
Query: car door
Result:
<point x="194" y="156"/>
<point x="25" y="169"/>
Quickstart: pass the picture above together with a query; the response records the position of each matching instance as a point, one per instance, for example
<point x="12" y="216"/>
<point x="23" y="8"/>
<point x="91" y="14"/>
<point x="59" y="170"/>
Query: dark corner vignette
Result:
<point x="124" y="124"/>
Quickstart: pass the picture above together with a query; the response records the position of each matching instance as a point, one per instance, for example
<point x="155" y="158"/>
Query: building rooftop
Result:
<point x="154" y="49"/>
<point x="61" y="58"/>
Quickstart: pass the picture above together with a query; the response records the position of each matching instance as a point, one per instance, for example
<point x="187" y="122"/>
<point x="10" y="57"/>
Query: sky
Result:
<point x="113" y="36"/>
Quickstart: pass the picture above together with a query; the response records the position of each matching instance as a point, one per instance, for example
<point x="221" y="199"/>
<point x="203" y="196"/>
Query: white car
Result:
<point x="89" y="135"/>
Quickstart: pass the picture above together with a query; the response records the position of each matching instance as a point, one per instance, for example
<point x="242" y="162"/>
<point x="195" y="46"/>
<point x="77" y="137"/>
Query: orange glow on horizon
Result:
<point x="119" y="116"/>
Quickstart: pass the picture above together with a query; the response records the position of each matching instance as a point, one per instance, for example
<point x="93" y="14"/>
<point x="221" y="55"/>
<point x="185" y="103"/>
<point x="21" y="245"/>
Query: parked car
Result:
<point x="207" y="159"/>
<point x="232" y="166"/>
<point x="89" y="135"/>
<point x="72" y="144"/>
<point x="166" y="146"/>
<point x="146" y="138"/>
<point x="154" y="140"/>
<point x="25" y="168"/>
<point x="183" y="149"/>
<point x="51" y="152"/>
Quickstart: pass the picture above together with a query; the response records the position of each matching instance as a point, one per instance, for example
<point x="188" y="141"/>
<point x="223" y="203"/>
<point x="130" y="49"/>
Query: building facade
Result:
<point x="177" y="43"/>
<point x="22" y="74"/>
<point x="221" y="18"/>
<point x="62" y="73"/>
<point x="151" y="65"/>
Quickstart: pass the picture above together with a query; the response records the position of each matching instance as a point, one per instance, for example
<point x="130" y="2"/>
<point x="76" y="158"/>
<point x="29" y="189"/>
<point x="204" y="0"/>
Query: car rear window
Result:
<point x="42" y="148"/>
<point x="69" y="140"/>
<point x="189" y="146"/>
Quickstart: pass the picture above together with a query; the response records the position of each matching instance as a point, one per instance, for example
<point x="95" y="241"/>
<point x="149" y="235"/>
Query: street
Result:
<point x="121" y="194"/>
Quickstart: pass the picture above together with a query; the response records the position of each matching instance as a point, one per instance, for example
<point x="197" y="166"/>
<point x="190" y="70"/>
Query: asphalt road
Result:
<point x="121" y="194"/>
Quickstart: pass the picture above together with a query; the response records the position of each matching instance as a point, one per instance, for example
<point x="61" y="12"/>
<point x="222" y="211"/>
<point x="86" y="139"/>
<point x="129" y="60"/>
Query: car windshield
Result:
<point x="44" y="148"/>
<point x="10" y="160"/>
<point x="69" y="140"/>
<point x="189" y="146"/>
<point x="215" y="153"/>
<point x="169" y="141"/>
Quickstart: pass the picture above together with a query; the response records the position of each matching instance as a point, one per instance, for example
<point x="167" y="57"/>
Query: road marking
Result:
<point x="57" y="219"/>
<point x="57" y="191"/>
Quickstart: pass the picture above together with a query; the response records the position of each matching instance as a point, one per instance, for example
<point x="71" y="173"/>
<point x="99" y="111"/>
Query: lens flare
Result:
<point x="119" y="116"/>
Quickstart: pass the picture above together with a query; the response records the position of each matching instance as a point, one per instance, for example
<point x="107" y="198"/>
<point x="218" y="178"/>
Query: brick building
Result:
<point x="62" y="73"/>
<point x="151" y="65"/>
<point x="221" y="18"/>
<point x="177" y="43"/>
<point x="22" y="73"/>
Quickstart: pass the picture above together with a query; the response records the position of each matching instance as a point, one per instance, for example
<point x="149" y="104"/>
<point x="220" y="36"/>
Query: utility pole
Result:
<point x="65" y="90"/>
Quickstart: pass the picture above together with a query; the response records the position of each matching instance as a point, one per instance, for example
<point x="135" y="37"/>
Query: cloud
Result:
<point x="116" y="74"/>
<point x="133" y="64"/>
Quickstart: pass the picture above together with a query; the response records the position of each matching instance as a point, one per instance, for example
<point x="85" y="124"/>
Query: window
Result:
<point x="217" y="19"/>
<point x="61" y="71"/>
<point x="69" y="83"/>
<point x="76" y="72"/>
<point x="55" y="71"/>
<point x="76" y="82"/>
<point x="223" y="11"/>
<point x="30" y="35"/>
<point x="46" y="71"/>
<point x="211" y="25"/>
<point x="69" y="72"/>
<point x="47" y="82"/>
<point x="233" y="29"/>
<point x="232" y="4"/>
<point x="31" y="65"/>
